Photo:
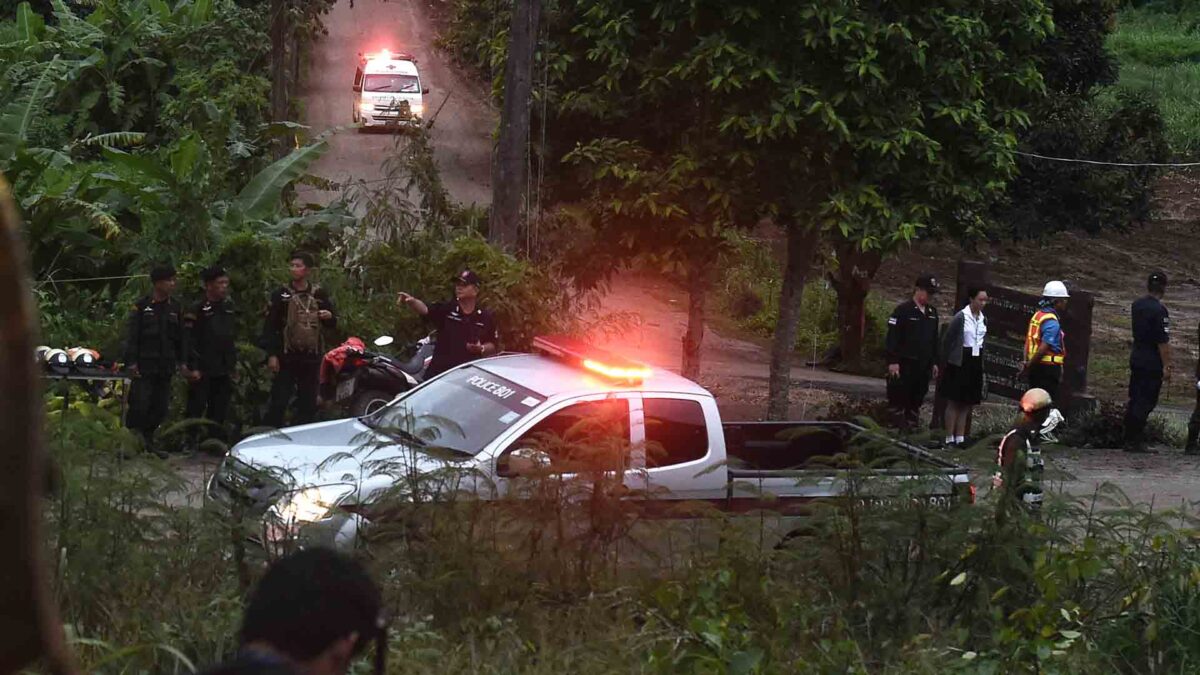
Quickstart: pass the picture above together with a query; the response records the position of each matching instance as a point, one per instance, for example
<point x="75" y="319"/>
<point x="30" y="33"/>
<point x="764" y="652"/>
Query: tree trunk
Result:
<point x="509" y="166"/>
<point x="852" y="281"/>
<point x="697" y="279"/>
<point x="295" y="50"/>
<point x="801" y="247"/>
<point x="279" y="69"/>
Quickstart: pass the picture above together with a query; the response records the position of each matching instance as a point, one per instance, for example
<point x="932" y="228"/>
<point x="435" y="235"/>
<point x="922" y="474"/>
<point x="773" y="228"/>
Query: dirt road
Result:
<point x="656" y="338"/>
<point x="461" y="134"/>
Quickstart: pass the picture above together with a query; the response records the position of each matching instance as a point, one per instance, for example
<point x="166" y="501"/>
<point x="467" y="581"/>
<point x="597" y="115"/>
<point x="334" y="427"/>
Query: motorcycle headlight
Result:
<point x="310" y="504"/>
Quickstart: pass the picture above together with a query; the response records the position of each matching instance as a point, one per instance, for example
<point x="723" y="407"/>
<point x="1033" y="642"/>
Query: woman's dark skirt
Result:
<point x="963" y="384"/>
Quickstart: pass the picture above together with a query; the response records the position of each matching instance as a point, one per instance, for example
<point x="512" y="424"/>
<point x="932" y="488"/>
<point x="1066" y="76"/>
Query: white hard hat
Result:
<point x="1055" y="289"/>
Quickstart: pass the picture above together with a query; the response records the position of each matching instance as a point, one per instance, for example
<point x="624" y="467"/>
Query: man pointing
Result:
<point x="465" y="331"/>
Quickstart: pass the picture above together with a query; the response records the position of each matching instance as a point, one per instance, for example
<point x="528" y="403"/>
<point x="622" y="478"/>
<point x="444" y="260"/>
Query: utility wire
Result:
<point x="70" y="281"/>
<point x="1179" y="165"/>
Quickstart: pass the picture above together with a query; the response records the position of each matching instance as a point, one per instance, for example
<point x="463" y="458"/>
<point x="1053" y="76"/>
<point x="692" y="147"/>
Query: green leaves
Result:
<point x="19" y="114"/>
<point x="262" y="193"/>
<point x="30" y="25"/>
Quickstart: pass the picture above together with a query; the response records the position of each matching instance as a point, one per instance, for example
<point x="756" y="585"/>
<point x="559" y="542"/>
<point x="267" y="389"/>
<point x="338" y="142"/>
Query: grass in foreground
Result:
<point x="555" y="583"/>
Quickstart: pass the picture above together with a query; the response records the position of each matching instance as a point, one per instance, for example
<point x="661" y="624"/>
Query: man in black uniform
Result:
<point x="911" y="351"/>
<point x="1150" y="360"/>
<point x="153" y="352"/>
<point x="465" y="331"/>
<point x="210" y="334"/>
<point x="293" y="337"/>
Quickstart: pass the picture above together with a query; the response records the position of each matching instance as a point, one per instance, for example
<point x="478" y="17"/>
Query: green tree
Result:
<point x="671" y="211"/>
<point x="868" y="122"/>
<point x="1069" y="121"/>
<point x="661" y="185"/>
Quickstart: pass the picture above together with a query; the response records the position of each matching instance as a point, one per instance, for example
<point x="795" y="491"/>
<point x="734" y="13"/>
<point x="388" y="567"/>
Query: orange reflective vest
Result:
<point x="1033" y="339"/>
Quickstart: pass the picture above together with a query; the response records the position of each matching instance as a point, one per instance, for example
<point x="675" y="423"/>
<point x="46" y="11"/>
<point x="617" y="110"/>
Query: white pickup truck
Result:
<point x="309" y="482"/>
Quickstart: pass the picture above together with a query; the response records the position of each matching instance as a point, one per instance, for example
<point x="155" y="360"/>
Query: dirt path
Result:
<point x="461" y="134"/>
<point x="659" y="309"/>
<point x="1166" y="479"/>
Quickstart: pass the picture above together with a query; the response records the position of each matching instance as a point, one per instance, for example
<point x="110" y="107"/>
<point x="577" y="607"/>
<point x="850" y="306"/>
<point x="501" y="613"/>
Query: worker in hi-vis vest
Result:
<point x="1046" y="351"/>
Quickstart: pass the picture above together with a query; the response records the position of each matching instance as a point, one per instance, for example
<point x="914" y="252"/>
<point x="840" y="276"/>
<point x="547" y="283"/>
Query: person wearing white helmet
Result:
<point x="1046" y="350"/>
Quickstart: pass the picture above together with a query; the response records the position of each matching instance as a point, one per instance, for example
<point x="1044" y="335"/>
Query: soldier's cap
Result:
<point x="1157" y="279"/>
<point x="467" y="278"/>
<point x="162" y="273"/>
<point x="1035" y="400"/>
<point x="928" y="282"/>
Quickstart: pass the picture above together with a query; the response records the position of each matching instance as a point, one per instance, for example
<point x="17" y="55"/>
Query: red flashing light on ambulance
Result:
<point x="592" y="359"/>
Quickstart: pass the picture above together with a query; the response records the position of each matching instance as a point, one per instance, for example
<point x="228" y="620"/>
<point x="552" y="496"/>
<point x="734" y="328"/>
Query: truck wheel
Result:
<point x="369" y="401"/>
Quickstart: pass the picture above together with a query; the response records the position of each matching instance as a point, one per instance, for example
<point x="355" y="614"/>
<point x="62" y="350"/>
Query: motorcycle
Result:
<point x="366" y="380"/>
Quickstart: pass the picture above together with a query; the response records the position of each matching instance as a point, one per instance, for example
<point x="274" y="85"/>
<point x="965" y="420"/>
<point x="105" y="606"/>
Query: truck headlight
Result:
<point x="366" y="107"/>
<point x="310" y="504"/>
<point x="418" y="109"/>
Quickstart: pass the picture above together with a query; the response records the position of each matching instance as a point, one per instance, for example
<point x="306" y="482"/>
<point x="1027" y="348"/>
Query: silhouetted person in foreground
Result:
<point x="313" y="613"/>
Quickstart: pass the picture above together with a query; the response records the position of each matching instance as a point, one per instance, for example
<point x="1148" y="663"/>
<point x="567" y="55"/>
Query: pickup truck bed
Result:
<point x="758" y="447"/>
<point x="807" y="460"/>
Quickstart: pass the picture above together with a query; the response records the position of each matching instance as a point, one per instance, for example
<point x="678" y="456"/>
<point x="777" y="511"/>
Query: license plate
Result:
<point x="345" y="390"/>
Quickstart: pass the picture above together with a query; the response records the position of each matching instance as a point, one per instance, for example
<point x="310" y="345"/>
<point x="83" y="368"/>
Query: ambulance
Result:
<point x="388" y="91"/>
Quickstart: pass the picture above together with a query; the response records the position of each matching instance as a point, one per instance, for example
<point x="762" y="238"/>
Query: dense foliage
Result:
<point x="1070" y="122"/>
<point x="136" y="133"/>
<point x="570" y="578"/>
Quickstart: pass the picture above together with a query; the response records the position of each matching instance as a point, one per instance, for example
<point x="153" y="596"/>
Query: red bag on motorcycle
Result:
<point x="335" y="358"/>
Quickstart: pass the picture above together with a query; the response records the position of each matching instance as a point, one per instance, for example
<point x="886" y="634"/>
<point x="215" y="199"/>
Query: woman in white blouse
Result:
<point x="962" y="358"/>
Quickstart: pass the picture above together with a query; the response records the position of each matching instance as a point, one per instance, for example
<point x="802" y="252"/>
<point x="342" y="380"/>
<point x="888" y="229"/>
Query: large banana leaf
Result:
<point x="16" y="117"/>
<point x="141" y="165"/>
<point x="261" y="194"/>
<point x="30" y="25"/>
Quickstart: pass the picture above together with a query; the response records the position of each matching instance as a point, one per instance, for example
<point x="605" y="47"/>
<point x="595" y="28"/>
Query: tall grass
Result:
<point x="566" y="575"/>
<point x="1158" y="46"/>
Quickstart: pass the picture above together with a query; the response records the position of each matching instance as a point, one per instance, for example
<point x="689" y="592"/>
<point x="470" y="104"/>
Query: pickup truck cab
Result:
<point x="315" y="482"/>
<point x="388" y="90"/>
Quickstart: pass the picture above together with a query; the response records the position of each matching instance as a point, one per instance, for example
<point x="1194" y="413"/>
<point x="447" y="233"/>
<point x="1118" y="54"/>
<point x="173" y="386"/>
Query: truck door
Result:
<point x="682" y="449"/>
<point x="570" y="439"/>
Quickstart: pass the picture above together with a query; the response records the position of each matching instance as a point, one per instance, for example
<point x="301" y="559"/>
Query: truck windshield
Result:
<point x="404" y="84"/>
<point x="462" y="411"/>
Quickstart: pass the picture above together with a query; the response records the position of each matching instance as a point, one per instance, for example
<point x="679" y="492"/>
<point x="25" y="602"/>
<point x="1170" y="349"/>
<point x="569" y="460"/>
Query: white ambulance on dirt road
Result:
<point x="388" y="91"/>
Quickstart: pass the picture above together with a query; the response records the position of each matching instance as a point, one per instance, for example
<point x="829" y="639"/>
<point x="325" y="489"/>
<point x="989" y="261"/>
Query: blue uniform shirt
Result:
<point x="1051" y="330"/>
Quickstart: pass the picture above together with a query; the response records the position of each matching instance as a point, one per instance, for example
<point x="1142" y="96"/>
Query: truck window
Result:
<point x="676" y="431"/>
<point x="585" y="435"/>
<point x="358" y="79"/>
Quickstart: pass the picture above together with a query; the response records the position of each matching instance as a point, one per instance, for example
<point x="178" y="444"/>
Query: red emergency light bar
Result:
<point x="592" y="359"/>
<point x="386" y="55"/>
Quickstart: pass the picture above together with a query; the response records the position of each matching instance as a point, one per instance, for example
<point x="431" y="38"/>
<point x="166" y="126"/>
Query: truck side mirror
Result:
<point x="522" y="462"/>
<point x="425" y="90"/>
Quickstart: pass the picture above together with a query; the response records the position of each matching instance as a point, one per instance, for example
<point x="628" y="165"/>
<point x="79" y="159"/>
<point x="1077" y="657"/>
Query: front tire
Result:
<point x="368" y="401"/>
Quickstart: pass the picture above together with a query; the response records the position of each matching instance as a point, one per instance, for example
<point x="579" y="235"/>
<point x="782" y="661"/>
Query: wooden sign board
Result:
<point x="1008" y="313"/>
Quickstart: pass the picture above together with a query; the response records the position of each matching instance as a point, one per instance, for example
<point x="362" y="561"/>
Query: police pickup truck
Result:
<point x="316" y="483"/>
